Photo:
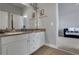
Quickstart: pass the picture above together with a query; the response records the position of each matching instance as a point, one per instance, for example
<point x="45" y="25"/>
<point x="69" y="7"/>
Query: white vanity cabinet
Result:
<point x="42" y="38"/>
<point x="24" y="44"/>
<point x="32" y="42"/>
<point x="3" y="20"/>
<point x="14" y="45"/>
<point x="36" y="40"/>
<point x="17" y="21"/>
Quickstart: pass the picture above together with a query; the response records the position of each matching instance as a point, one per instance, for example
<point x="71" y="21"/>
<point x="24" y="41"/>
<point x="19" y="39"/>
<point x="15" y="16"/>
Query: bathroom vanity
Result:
<point x="21" y="43"/>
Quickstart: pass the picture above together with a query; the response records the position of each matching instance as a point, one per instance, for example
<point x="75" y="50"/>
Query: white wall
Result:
<point x="68" y="15"/>
<point x="49" y="22"/>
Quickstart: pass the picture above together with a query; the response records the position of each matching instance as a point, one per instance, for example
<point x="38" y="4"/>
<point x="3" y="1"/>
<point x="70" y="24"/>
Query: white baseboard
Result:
<point x="54" y="46"/>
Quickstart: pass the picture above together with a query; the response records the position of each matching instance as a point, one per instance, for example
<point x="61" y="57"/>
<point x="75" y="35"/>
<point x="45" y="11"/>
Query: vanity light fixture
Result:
<point x="25" y="16"/>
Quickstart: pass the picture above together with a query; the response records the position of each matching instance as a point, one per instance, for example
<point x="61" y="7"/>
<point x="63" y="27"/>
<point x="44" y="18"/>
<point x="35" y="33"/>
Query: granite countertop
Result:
<point x="18" y="32"/>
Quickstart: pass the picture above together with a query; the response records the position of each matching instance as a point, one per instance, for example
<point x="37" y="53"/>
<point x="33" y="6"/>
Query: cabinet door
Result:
<point x="39" y="39"/>
<point x="31" y="43"/>
<point x="35" y="41"/>
<point x="16" y="45"/>
<point x="17" y="48"/>
<point x="3" y="20"/>
<point x="17" y="21"/>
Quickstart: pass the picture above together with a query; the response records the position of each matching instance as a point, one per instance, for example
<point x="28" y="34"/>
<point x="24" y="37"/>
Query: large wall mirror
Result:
<point x="10" y="14"/>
